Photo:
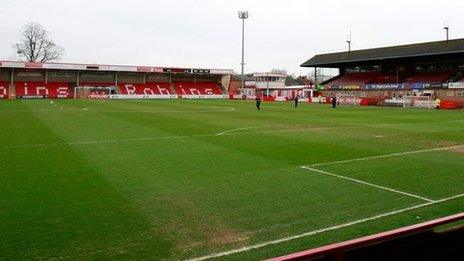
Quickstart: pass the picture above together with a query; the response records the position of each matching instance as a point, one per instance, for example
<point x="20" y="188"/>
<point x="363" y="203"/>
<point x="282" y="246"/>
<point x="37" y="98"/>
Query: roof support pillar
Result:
<point x="12" y="76"/>
<point x="315" y="75"/>
<point x="397" y="74"/>
<point x="77" y="78"/>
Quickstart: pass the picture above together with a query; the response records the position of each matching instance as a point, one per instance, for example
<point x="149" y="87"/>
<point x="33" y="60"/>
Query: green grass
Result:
<point x="154" y="180"/>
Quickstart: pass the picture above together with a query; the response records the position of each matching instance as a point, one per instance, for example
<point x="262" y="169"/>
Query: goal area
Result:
<point x="348" y="99"/>
<point x="92" y="92"/>
<point x="424" y="102"/>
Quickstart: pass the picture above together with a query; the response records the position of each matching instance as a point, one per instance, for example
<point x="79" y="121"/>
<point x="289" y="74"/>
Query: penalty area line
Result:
<point x="322" y="230"/>
<point x="261" y="127"/>
<point x="387" y="155"/>
<point x="367" y="183"/>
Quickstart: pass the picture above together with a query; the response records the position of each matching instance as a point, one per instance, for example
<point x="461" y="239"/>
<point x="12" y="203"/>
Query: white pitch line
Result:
<point x="387" y="155"/>
<point x="102" y="141"/>
<point x="325" y="128"/>
<point x="322" y="230"/>
<point x="367" y="183"/>
<point x="264" y="126"/>
<point x="226" y="133"/>
<point x="234" y="130"/>
<point x="155" y="138"/>
<point x="134" y="110"/>
<point x="282" y="130"/>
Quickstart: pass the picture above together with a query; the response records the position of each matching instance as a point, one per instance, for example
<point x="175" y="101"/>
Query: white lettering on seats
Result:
<point x="63" y="92"/>
<point x="38" y="89"/>
<point x="130" y="89"/>
<point x="182" y="89"/>
<point x="148" y="91"/>
<point x="161" y="90"/>
<point x="2" y="92"/>
<point x="194" y="91"/>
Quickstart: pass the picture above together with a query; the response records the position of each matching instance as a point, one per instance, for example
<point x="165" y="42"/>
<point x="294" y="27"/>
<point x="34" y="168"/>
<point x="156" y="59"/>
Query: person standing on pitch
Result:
<point x="334" y="101"/>
<point x="437" y="103"/>
<point x="258" y="102"/>
<point x="296" y="101"/>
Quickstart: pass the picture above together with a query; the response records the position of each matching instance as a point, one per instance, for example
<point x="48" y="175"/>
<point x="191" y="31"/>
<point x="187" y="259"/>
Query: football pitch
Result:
<point x="191" y="179"/>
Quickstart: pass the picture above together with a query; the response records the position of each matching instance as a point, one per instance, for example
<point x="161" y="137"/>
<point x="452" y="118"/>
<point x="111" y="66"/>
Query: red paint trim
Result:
<point x="363" y="241"/>
<point x="33" y="65"/>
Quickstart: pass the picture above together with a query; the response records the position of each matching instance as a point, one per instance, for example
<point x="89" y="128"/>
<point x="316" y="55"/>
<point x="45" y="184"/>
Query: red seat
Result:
<point x="359" y="79"/>
<point x="198" y="88"/>
<point x="4" y="90"/>
<point x="96" y="84"/>
<point x="384" y="79"/>
<point x="364" y="78"/>
<point x="429" y="78"/>
<point x="50" y="90"/>
<point x="144" y="88"/>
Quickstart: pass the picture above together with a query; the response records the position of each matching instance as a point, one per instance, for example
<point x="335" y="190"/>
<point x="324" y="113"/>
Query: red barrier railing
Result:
<point x="337" y="250"/>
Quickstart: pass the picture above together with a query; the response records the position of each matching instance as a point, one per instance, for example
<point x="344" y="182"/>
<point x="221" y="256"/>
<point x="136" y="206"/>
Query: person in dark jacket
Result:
<point x="334" y="101"/>
<point x="258" y="102"/>
<point x="296" y="101"/>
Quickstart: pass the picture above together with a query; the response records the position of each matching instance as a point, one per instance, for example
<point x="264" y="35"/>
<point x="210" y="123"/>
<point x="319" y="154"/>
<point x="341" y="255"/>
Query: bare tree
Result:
<point x="36" y="45"/>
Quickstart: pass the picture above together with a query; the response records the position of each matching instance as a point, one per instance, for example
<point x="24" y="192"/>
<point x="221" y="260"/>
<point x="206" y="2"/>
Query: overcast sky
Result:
<point x="207" y="33"/>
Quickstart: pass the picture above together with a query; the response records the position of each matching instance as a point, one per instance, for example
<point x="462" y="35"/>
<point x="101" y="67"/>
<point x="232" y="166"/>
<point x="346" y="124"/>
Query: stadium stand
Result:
<point x="198" y="88"/>
<point x="426" y="241"/>
<point x="362" y="79"/>
<point x="433" y="69"/>
<point x="48" y="90"/>
<point x="354" y="79"/>
<point x="60" y="80"/>
<point x="429" y="78"/>
<point x="459" y="77"/>
<point x="383" y="79"/>
<point x="97" y="84"/>
<point x="144" y="88"/>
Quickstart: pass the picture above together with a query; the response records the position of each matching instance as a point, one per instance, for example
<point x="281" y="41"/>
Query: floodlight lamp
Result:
<point x="243" y="14"/>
